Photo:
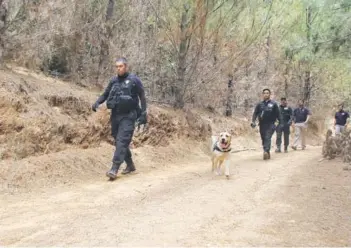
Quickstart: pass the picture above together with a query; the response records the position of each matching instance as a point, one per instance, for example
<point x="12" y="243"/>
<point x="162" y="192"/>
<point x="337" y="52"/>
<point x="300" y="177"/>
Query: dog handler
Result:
<point x="122" y="96"/>
<point x="267" y="112"/>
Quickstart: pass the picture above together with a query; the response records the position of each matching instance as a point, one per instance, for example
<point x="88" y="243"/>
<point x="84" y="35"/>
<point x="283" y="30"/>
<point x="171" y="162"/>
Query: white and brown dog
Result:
<point x="221" y="153"/>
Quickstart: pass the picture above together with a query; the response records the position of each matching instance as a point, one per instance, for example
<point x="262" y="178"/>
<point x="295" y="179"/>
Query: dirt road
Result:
<point x="291" y="200"/>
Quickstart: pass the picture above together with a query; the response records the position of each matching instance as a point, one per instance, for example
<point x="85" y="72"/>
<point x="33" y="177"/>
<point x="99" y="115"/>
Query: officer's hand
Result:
<point x="289" y="123"/>
<point x="95" y="106"/>
<point x="142" y="120"/>
<point x="253" y="125"/>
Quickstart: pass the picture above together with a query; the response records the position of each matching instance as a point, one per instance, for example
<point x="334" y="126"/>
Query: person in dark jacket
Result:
<point x="122" y="96"/>
<point x="340" y="120"/>
<point x="267" y="113"/>
<point x="287" y="113"/>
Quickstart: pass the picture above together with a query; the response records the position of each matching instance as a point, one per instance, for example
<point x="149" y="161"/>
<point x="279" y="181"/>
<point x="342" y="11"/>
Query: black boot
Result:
<point x="286" y="149"/>
<point x="112" y="173"/>
<point x="265" y="156"/>
<point x="129" y="161"/>
<point x="130" y="168"/>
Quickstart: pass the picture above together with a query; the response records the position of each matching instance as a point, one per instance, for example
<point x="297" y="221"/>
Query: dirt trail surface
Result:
<point x="54" y="152"/>
<point x="291" y="200"/>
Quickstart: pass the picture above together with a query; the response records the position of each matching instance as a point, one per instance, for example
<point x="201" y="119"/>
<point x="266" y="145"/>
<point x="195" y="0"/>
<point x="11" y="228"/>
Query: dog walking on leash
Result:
<point x="221" y="148"/>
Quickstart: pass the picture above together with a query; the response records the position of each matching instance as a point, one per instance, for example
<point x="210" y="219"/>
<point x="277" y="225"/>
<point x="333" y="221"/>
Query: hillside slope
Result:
<point x="48" y="132"/>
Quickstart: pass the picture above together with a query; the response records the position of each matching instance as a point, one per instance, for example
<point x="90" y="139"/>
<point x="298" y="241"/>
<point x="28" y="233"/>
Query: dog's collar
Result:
<point x="216" y="148"/>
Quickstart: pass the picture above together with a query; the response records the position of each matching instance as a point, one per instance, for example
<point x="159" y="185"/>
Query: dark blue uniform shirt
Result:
<point x="341" y="117"/>
<point x="267" y="112"/>
<point x="286" y="113"/>
<point x="300" y="114"/>
<point x="137" y="91"/>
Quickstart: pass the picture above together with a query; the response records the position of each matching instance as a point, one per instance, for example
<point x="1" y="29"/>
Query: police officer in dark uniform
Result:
<point x="340" y="120"/>
<point x="287" y="119"/>
<point x="267" y="112"/>
<point x="122" y="96"/>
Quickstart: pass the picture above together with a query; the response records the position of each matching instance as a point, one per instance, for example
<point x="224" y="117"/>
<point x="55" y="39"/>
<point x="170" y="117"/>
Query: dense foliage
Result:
<point x="188" y="50"/>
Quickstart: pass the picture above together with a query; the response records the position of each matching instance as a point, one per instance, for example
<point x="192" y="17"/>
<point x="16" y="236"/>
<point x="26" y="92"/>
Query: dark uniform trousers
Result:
<point x="280" y="131"/>
<point x="122" y="129"/>
<point x="266" y="132"/>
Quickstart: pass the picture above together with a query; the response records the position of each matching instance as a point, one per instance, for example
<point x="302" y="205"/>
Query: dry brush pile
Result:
<point x="338" y="146"/>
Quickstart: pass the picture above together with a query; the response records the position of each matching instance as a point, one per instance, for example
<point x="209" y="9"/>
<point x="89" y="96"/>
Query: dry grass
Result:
<point x="42" y="117"/>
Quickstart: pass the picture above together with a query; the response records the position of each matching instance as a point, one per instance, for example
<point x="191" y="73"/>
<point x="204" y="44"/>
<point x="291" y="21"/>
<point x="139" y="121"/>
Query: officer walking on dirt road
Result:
<point x="301" y="116"/>
<point x="340" y="120"/>
<point x="267" y="112"/>
<point x="286" y="113"/>
<point x="122" y="96"/>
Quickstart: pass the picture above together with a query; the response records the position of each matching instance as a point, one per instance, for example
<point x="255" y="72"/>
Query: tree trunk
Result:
<point x="287" y="76"/>
<point x="215" y="48"/>
<point x="3" y="17"/>
<point x="229" y="107"/>
<point x="307" y="88"/>
<point x="268" y="46"/>
<point x="182" y="53"/>
<point x="307" y="78"/>
<point x="104" y="43"/>
<point x="286" y="81"/>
